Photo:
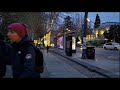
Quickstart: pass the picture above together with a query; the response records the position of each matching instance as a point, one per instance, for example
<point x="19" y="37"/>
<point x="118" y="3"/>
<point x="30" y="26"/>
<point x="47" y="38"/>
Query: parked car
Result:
<point x="111" y="45"/>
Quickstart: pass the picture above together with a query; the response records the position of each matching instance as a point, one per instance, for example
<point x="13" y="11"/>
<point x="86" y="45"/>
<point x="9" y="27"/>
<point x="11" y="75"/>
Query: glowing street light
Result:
<point x="88" y="19"/>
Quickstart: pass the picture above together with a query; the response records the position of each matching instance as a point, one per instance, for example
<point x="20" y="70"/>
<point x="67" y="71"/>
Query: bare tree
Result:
<point x="36" y="22"/>
<point x="53" y="20"/>
<point x="78" y="20"/>
<point x="7" y="18"/>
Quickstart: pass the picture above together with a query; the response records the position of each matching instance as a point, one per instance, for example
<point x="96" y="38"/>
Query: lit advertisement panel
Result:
<point x="60" y="42"/>
<point x="73" y="43"/>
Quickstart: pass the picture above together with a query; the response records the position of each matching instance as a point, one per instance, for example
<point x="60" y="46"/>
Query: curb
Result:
<point x="90" y="67"/>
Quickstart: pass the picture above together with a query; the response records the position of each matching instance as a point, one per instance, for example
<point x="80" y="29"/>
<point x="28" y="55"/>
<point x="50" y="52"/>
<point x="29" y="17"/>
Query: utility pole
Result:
<point x="84" y="36"/>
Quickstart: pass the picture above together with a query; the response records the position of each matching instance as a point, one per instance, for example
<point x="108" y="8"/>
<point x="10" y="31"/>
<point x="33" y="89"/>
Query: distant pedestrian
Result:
<point x="47" y="48"/>
<point x="23" y="58"/>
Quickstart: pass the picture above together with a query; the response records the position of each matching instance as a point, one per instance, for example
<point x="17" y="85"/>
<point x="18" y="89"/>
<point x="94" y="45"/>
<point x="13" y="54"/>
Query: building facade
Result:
<point x="99" y="33"/>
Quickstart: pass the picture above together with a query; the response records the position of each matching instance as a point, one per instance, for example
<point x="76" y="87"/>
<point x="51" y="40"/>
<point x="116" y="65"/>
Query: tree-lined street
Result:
<point x="65" y="33"/>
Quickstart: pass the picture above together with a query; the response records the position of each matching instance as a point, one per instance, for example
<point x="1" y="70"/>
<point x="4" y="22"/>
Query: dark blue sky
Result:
<point x="105" y="16"/>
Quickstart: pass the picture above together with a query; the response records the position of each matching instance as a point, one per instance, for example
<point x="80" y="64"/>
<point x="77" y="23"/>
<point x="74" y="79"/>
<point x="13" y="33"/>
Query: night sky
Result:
<point x="105" y="16"/>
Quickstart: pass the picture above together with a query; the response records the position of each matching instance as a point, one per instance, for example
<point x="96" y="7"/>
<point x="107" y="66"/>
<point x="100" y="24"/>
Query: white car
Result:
<point x="111" y="45"/>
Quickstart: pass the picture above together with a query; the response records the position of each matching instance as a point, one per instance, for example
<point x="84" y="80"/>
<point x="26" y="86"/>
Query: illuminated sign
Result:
<point x="73" y="43"/>
<point x="60" y="42"/>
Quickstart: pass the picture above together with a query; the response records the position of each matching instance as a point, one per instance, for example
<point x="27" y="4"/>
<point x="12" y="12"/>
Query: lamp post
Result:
<point x="84" y="36"/>
<point x="90" y="22"/>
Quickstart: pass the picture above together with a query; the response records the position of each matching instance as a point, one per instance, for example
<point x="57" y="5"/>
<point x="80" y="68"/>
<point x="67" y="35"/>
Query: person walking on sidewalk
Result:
<point x="47" y="48"/>
<point x="22" y="59"/>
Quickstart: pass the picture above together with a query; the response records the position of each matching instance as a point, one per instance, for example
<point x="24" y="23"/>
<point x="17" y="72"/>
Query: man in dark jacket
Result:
<point x="3" y="56"/>
<point x="23" y="58"/>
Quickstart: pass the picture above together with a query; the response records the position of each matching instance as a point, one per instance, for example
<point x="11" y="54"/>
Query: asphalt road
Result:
<point x="101" y="54"/>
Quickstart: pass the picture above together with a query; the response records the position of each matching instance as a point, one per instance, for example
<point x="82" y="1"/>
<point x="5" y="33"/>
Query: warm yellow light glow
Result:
<point x="45" y="42"/>
<point x="80" y="39"/>
<point x="38" y="42"/>
<point x="107" y="28"/>
<point x="35" y="41"/>
<point x="96" y="33"/>
<point x="49" y="34"/>
<point x="101" y="32"/>
<point x="52" y="45"/>
<point x="47" y="39"/>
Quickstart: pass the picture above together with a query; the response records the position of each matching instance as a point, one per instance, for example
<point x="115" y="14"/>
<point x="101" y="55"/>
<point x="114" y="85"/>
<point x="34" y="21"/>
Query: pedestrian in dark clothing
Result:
<point x="47" y="48"/>
<point x="3" y="56"/>
<point x="23" y="59"/>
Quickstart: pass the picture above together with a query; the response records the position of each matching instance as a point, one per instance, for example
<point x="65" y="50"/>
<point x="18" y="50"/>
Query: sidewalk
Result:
<point x="56" y="68"/>
<point x="8" y="72"/>
<point x="105" y="67"/>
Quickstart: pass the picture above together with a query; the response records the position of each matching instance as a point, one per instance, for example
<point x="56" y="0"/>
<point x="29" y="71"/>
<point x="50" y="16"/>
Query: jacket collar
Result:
<point x="25" y="40"/>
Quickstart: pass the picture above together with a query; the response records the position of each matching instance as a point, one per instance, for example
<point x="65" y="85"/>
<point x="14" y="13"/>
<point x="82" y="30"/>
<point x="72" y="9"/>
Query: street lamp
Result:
<point x="88" y="20"/>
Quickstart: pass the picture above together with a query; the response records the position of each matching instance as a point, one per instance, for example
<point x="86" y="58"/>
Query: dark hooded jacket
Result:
<point x="4" y="55"/>
<point x="2" y="58"/>
<point x="23" y="60"/>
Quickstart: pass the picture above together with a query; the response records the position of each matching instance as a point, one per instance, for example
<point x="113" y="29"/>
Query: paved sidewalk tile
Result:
<point x="106" y="65"/>
<point x="59" y="69"/>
